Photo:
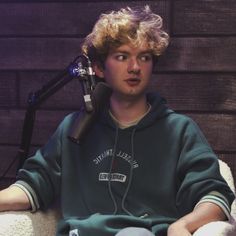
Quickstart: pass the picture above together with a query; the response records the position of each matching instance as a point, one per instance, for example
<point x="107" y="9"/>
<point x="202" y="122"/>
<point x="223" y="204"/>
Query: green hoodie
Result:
<point x="147" y="175"/>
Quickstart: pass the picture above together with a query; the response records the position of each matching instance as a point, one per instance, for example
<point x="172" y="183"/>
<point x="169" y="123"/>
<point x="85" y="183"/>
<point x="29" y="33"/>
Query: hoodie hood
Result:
<point x="158" y="111"/>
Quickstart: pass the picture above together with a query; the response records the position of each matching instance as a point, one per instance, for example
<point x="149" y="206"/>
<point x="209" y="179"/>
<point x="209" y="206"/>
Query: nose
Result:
<point x="133" y="66"/>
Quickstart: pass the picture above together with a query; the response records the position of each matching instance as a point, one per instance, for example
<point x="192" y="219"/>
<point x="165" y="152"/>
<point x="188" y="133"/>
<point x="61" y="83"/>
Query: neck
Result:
<point x="127" y="111"/>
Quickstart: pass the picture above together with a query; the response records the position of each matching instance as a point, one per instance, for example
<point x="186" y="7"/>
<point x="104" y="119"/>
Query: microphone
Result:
<point x="95" y="97"/>
<point x="81" y="68"/>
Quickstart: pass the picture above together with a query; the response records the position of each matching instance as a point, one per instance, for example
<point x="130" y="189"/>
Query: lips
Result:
<point x="133" y="81"/>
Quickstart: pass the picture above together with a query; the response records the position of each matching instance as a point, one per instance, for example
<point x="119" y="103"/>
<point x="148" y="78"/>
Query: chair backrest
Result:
<point x="227" y="174"/>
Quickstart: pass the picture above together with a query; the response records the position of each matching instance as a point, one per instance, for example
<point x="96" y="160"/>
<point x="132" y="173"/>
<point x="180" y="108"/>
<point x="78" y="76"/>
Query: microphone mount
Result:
<point x="82" y="69"/>
<point x="79" y="69"/>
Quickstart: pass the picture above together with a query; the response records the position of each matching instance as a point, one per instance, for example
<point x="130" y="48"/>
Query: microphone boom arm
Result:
<point x="37" y="98"/>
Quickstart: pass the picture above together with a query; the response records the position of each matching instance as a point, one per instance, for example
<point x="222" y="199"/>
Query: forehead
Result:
<point x="131" y="49"/>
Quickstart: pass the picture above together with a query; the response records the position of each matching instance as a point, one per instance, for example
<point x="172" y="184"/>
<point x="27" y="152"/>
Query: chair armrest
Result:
<point x="25" y="223"/>
<point x="222" y="228"/>
<point x="217" y="228"/>
<point x="227" y="175"/>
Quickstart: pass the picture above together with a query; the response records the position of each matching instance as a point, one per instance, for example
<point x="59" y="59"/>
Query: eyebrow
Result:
<point x="127" y="52"/>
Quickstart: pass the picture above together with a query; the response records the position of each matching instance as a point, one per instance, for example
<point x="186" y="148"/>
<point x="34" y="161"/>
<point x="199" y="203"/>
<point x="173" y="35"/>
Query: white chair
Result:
<point x="24" y="223"/>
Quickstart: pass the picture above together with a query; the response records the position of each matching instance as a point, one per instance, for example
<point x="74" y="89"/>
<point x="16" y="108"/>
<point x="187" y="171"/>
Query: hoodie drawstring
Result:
<point x="130" y="175"/>
<point x="110" y="170"/>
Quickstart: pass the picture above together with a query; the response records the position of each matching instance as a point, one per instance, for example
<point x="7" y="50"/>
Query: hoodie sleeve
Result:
<point x="42" y="172"/>
<point x="197" y="170"/>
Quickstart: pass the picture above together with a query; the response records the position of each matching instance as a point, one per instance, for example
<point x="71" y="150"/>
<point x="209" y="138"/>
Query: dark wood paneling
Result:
<point x="9" y="159"/>
<point x="197" y="92"/>
<point x="45" y="124"/>
<point x="204" y="17"/>
<point x="200" y="54"/>
<point x="63" y="18"/>
<point x="68" y="97"/>
<point x="38" y="53"/>
<point x="6" y="182"/>
<point x="12" y="122"/>
<point x="8" y="155"/>
<point x="219" y="130"/>
<point x="184" y="54"/>
<point x="8" y="89"/>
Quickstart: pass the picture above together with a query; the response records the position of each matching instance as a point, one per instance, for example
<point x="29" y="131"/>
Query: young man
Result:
<point x="141" y="169"/>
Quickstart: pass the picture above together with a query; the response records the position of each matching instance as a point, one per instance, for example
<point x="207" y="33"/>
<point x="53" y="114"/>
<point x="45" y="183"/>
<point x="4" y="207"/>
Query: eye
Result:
<point x="121" y="57"/>
<point x="146" y="57"/>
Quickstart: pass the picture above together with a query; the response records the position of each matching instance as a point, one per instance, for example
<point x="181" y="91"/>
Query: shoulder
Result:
<point x="70" y="117"/>
<point x="67" y="122"/>
<point x="184" y="125"/>
<point x="180" y="119"/>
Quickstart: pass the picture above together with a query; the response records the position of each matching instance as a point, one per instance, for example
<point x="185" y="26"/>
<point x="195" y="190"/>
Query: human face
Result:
<point x="127" y="70"/>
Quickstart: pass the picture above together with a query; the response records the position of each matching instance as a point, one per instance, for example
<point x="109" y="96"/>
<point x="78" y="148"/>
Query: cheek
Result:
<point x="112" y="73"/>
<point x="109" y="76"/>
<point x="149" y="70"/>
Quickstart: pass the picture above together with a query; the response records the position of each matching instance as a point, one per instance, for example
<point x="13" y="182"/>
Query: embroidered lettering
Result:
<point x="106" y="153"/>
<point x="117" y="177"/>
<point x="120" y="154"/>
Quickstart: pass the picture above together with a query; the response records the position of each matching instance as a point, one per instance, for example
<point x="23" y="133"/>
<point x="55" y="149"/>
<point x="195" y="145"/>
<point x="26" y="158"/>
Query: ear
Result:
<point x="98" y="70"/>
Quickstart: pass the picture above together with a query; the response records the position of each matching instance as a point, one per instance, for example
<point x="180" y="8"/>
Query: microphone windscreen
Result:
<point x="100" y="96"/>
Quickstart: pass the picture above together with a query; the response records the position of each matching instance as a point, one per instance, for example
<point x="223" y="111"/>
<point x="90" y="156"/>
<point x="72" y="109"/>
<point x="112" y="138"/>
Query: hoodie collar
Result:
<point x="158" y="110"/>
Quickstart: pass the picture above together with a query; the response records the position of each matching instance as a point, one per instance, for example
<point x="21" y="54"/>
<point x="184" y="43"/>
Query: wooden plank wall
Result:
<point x="197" y="74"/>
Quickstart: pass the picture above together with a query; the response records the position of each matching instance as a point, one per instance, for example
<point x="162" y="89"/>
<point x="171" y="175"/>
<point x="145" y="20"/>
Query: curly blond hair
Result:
<point x="135" y="26"/>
